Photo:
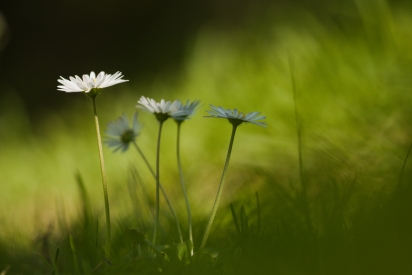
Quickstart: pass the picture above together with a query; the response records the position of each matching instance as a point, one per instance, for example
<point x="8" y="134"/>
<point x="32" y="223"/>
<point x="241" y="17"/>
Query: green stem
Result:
<point x="156" y="225"/>
<point x="162" y="189"/>
<point x="219" y="192"/>
<point x="189" y="214"/>
<point x="103" y="171"/>
<point x="74" y="254"/>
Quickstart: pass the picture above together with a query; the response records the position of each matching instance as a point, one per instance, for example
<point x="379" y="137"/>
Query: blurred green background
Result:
<point x="352" y="61"/>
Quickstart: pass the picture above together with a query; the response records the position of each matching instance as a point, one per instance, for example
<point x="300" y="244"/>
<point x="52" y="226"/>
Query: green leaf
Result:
<point x="46" y="261"/>
<point x="243" y="219"/>
<point x="235" y="218"/>
<point x="181" y="250"/>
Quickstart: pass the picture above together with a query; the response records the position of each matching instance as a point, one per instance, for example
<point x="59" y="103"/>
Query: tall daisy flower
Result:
<point x="119" y="134"/>
<point x="235" y="118"/>
<point x="181" y="113"/>
<point x="162" y="111"/>
<point x="91" y="86"/>
<point x="89" y="82"/>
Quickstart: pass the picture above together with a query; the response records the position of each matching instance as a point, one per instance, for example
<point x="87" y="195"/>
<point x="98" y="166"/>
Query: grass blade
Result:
<point x="235" y="218"/>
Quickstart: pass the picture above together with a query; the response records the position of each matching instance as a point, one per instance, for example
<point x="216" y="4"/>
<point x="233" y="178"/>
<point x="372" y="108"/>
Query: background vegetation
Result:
<point x="344" y="208"/>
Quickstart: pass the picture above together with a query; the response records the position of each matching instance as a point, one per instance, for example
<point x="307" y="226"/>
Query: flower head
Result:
<point x="182" y="112"/>
<point x="235" y="117"/>
<point x="89" y="82"/>
<point x="162" y="110"/>
<point x="119" y="133"/>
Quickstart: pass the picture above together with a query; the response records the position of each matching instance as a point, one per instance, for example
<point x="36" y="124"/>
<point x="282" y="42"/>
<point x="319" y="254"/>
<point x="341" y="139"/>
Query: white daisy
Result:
<point x="89" y="82"/>
<point x="162" y="110"/>
<point x="119" y="133"/>
<point x="235" y="117"/>
<point x="182" y="112"/>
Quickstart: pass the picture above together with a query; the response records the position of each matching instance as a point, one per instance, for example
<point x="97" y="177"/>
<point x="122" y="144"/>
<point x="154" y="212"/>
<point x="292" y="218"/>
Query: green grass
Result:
<point x="353" y="85"/>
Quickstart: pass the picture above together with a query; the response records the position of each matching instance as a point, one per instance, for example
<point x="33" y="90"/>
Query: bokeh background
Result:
<point x="150" y="42"/>
<point x="351" y="61"/>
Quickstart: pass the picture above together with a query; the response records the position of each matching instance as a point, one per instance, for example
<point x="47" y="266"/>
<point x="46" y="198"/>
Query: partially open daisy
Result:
<point x="119" y="133"/>
<point x="182" y="112"/>
<point x="236" y="117"/>
<point x="89" y="82"/>
<point x="162" y="110"/>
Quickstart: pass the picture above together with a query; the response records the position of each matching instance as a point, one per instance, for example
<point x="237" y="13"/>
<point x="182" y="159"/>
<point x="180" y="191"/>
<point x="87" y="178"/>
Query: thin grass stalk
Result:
<point x="56" y="257"/>
<point x="179" y="165"/>
<point x="162" y="189"/>
<point x="404" y="165"/>
<point x="103" y="172"/>
<point x="235" y="221"/>
<point x="259" y="222"/>
<point x="74" y="254"/>
<point x="219" y="192"/>
<point x="96" y="243"/>
<point x="84" y="200"/>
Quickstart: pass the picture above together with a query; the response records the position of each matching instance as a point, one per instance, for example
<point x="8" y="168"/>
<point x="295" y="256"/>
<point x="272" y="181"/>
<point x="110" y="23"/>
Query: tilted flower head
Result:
<point x="235" y="117"/>
<point x="119" y="133"/>
<point x="89" y="82"/>
<point x="162" y="110"/>
<point x="182" y="112"/>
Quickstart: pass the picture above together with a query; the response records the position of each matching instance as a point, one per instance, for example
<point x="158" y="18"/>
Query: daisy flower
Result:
<point x="89" y="82"/>
<point x="119" y="133"/>
<point x="236" y="117"/>
<point x="162" y="110"/>
<point x="90" y="85"/>
<point x="182" y="112"/>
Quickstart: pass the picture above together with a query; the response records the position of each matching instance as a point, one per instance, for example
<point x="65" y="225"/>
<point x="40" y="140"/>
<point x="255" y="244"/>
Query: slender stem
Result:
<point x="162" y="189"/>
<point x="189" y="214"/>
<point x="156" y="225"/>
<point x="103" y="171"/>
<point x="219" y="192"/>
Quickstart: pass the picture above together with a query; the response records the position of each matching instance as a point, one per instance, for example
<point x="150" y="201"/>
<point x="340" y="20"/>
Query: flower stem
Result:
<point x="103" y="171"/>
<point x="189" y="214"/>
<point x="156" y="225"/>
<point x="162" y="189"/>
<point x="219" y="191"/>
